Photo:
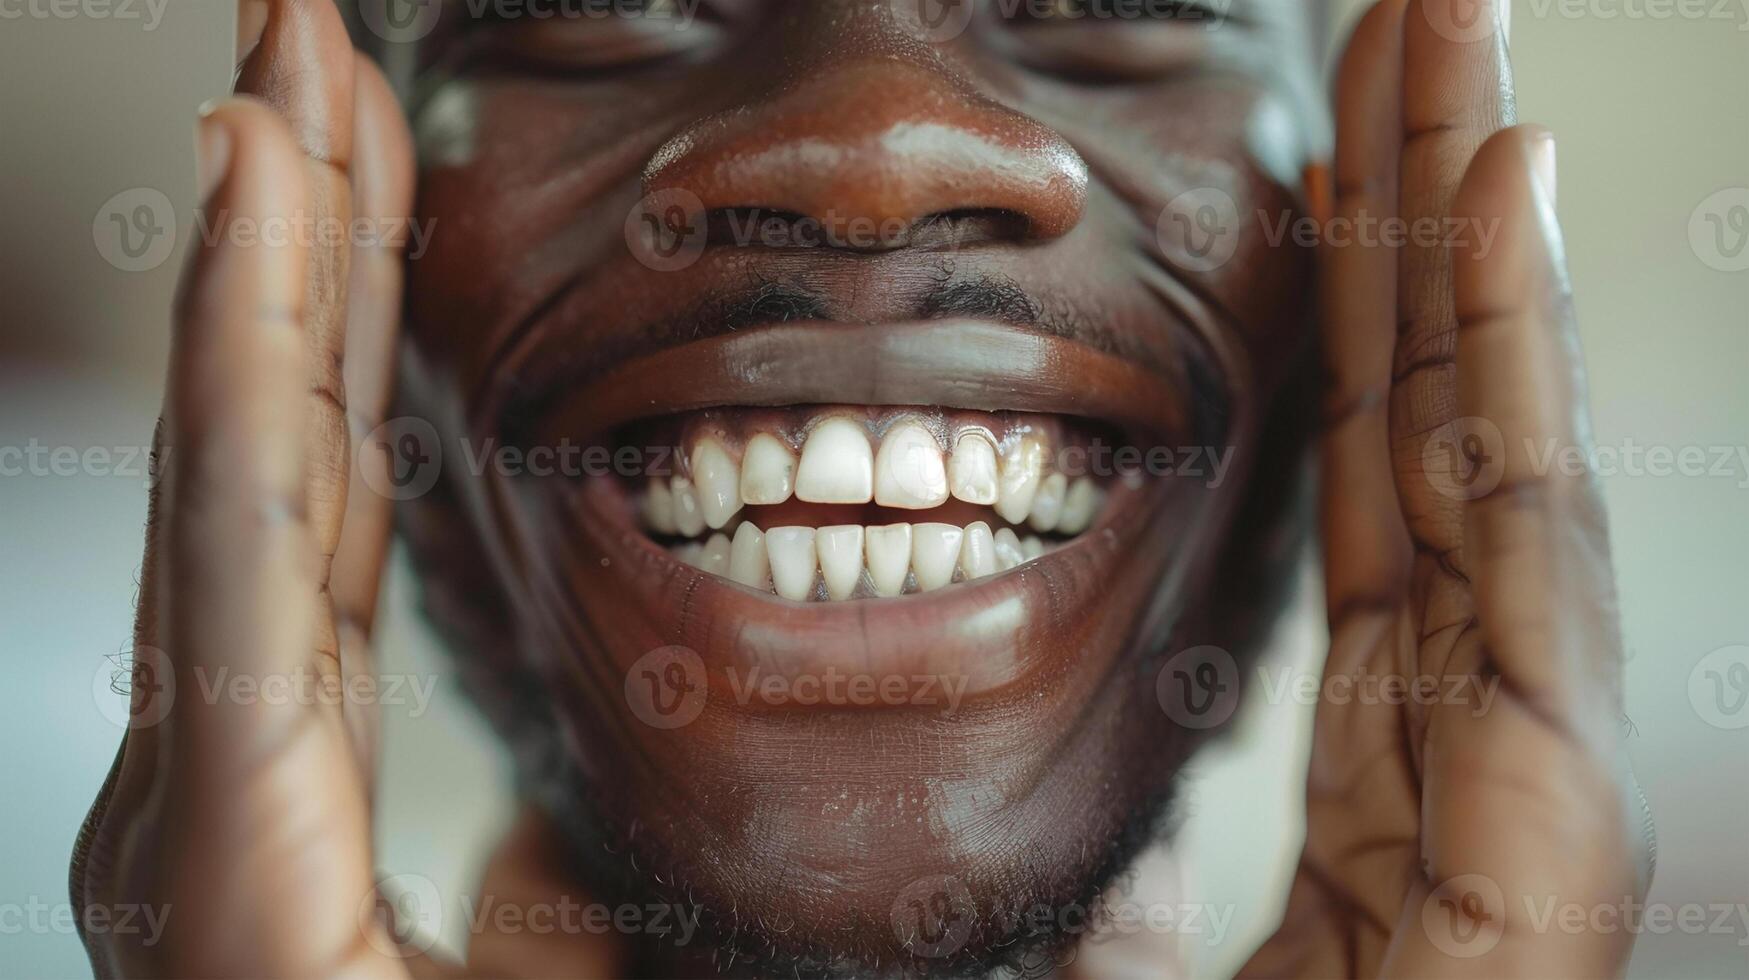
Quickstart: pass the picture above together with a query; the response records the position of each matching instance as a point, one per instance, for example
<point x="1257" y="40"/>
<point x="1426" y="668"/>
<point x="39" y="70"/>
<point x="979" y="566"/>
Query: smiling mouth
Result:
<point x="824" y="445"/>
<point x="837" y="503"/>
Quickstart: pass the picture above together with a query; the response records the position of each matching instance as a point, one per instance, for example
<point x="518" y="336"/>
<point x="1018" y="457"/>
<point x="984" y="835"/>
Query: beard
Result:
<point x="940" y="927"/>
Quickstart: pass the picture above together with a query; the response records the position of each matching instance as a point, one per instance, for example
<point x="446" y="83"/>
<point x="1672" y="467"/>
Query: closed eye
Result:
<point x="1114" y="41"/>
<point x="590" y="36"/>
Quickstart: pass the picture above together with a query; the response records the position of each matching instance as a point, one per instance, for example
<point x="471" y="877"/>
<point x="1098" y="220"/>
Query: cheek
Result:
<point x="525" y="186"/>
<point x="1208" y="194"/>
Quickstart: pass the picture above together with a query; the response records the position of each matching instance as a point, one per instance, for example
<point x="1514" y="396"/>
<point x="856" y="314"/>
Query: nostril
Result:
<point x="970" y="226"/>
<point x="746" y="226"/>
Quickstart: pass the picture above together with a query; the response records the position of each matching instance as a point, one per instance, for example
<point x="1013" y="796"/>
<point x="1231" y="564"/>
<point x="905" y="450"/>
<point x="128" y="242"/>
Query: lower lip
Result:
<point x="984" y="635"/>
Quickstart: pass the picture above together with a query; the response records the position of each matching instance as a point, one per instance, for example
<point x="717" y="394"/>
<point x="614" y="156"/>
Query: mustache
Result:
<point x="986" y="297"/>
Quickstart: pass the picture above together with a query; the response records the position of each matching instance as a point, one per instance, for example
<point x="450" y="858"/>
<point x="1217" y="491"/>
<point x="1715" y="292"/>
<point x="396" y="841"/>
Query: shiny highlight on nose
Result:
<point x="895" y="145"/>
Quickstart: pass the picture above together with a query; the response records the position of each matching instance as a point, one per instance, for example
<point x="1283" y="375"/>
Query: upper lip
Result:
<point x="965" y="364"/>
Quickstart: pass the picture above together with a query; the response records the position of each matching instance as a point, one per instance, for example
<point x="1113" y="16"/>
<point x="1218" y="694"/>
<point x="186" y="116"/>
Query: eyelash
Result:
<point x="504" y="11"/>
<point x="1122" y="11"/>
<point x="583" y="36"/>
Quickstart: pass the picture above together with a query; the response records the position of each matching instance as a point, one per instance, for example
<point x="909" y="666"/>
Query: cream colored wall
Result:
<point x="1651" y="121"/>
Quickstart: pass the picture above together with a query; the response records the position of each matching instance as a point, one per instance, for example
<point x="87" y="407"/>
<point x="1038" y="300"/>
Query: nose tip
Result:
<point x="887" y="150"/>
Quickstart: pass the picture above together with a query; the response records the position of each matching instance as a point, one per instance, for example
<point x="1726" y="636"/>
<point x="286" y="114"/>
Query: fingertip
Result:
<point x="1458" y="73"/>
<point x="213" y="157"/>
<point x="1380" y="27"/>
<point x="251" y="24"/>
<point x="1367" y="92"/>
<point x="262" y="172"/>
<point x="1507" y="186"/>
<point x="248" y="249"/>
<point x="383" y="166"/>
<point x="301" y="66"/>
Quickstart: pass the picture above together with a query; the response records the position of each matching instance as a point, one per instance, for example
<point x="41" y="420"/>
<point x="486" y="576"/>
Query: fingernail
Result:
<point x="213" y="155"/>
<point x="1542" y="161"/>
<point x="251" y="23"/>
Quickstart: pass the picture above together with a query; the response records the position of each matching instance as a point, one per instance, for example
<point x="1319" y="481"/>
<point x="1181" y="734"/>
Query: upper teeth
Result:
<point x="838" y="466"/>
<point x="972" y="470"/>
<point x="768" y="471"/>
<point x="908" y="472"/>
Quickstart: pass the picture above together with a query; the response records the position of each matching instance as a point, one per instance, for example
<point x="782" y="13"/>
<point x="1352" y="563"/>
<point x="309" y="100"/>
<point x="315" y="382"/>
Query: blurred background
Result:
<point x="1647" y="101"/>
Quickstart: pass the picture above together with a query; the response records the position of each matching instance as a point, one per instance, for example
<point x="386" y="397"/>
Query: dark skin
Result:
<point x="1047" y="153"/>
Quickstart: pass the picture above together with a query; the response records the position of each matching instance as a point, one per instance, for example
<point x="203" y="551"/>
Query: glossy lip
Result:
<point x="991" y="633"/>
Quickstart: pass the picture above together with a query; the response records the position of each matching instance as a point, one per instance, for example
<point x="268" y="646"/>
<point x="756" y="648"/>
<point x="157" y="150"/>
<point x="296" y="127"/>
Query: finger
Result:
<point x="1545" y="757"/>
<point x="267" y="834"/>
<point x="303" y="69"/>
<point x="1457" y="90"/>
<point x="382" y="193"/>
<point x="131" y="774"/>
<point x="1366" y="552"/>
<point x="1338" y="917"/>
<point x="1536" y="535"/>
<point x="237" y="558"/>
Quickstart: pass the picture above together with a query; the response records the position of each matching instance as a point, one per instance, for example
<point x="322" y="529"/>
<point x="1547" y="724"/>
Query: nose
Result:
<point x="887" y="153"/>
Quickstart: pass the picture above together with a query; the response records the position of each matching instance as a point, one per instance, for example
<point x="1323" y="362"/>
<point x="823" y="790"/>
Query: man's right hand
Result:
<point x="247" y="822"/>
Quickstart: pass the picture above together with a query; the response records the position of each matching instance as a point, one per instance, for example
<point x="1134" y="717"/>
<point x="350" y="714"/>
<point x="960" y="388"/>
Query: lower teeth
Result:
<point x="850" y="561"/>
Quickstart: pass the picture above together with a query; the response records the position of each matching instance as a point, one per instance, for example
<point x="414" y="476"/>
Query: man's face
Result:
<point x="965" y="323"/>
